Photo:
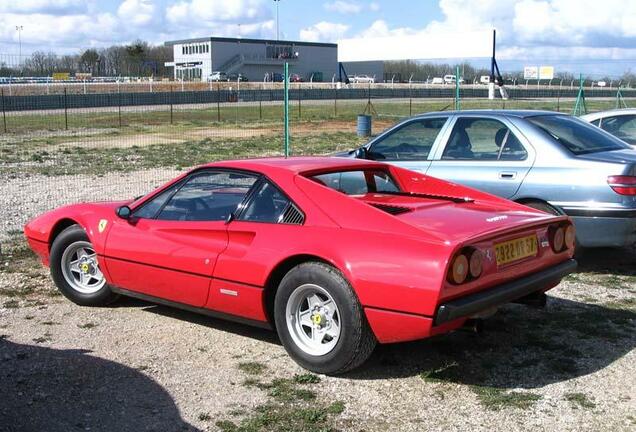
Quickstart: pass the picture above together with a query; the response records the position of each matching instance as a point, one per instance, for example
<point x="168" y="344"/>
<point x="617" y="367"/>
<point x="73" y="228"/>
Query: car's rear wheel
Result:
<point x="75" y="270"/>
<point x="320" y="321"/>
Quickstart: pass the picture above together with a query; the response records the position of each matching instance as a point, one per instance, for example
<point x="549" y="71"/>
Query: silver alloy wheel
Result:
<point x="313" y="319"/>
<point x="80" y="268"/>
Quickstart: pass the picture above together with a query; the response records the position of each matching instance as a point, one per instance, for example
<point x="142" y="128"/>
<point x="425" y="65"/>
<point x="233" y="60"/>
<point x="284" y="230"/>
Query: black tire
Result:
<point x="356" y="341"/>
<point x="66" y="238"/>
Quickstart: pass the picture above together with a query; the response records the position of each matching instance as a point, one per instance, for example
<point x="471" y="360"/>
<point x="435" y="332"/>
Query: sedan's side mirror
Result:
<point x="361" y="153"/>
<point x="124" y="212"/>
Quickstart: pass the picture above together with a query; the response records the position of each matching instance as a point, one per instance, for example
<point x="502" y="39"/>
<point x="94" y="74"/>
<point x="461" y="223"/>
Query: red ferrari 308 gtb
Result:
<point x="336" y="254"/>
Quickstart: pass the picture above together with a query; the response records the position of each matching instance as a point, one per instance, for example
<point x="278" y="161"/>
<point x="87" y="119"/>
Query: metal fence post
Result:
<point x="119" y="104"/>
<point x="286" y="107"/>
<point x="218" y="102"/>
<point x="457" y="101"/>
<point x="4" y="112"/>
<point x="260" y="104"/>
<point x="410" y="100"/>
<point x="171" y="102"/>
<point x="300" y="116"/>
<point x="335" y="102"/>
<point x="65" y="110"/>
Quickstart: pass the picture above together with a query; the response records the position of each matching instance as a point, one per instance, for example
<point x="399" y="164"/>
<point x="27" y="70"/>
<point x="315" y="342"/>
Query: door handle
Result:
<point x="508" y="175"/>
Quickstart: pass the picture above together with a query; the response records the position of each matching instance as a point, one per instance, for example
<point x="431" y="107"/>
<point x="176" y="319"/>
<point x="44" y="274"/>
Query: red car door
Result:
<point x="169" y="246"/>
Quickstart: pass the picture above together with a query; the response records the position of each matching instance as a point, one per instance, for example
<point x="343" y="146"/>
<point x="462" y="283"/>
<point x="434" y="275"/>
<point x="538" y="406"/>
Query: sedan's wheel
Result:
<point x="75" y="269"/>
<point x="320" y="321"/>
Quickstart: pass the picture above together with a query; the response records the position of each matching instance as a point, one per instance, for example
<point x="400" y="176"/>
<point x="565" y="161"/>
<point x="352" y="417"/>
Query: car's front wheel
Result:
<point x="320" y="321"/>
<point x="75" y="270"/>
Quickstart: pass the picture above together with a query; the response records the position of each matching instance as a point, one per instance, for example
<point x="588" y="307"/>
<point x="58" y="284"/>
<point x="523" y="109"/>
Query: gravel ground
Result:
<point x="137" y="366"/>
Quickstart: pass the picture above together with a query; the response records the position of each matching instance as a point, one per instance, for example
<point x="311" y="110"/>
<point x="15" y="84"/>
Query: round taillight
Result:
<point x="459" y="270"/>
<point x="476" y="263"/>
<point x="558" y="239"/>
<point x="570" y="237"/>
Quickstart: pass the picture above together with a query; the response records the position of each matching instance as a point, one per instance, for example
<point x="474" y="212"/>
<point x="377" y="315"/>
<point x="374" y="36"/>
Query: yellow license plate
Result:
<point x="516" y="249"/>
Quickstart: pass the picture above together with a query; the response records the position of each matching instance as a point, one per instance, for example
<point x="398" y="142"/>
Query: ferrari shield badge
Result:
<point x="102" y="225"/>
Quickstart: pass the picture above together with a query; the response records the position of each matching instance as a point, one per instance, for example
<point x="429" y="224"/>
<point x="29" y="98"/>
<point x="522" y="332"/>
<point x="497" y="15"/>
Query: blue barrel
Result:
<point x="364" y="125"/>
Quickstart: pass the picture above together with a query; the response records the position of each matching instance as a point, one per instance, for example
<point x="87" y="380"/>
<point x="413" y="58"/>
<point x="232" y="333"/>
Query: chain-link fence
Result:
<point x="68" y="142"/>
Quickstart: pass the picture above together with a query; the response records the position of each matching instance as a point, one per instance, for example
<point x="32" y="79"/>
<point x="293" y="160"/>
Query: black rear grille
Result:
<point x="293" y="216"/>
<point x="391" y="209"/>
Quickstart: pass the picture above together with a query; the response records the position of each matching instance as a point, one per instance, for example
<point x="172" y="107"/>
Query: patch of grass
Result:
<point x="496" y="399"/>
<point x="11" y="304"/>
<point x="291" y="407"/>
<point x="307" y="378"/>
<point x="252" y="368"/>
<point x="204" y="417"/>
<point x="88" y="325"/>
<point x="49" y="323"/>
<point x="580" y="400"/>
<point x="282" y="418"/>
<point x="43" y="339"/>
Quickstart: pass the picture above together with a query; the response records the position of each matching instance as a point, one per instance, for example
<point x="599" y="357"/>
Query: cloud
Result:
<point x="548" y="28"/>
<point x="374" y="6"/>
<point x="51" y="7"/>
<point x="137" y="12"/>
<point x="323" y="32"/>
<point x="221" y="17"/>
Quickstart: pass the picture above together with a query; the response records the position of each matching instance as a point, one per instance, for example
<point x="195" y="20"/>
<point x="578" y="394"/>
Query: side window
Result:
<point x="483" y="139"/>
<point x="413" y="141"/>
<point x="623" y="127"/>
<point x="208" y="196"/>
<point x="150" y="209"/>
<point x="597" y="122"/>
<point x="267" y="204"/>
<point x="358" y="182"/>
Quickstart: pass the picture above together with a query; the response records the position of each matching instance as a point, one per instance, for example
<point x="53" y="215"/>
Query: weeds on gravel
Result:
<point x="204" y="417"/>
<point x="252" y="368"/>
<point x="580" y="400"/>
<point x="288" y="408"/>
<point x="495" y="398"/>
<point x="87" y="326"/>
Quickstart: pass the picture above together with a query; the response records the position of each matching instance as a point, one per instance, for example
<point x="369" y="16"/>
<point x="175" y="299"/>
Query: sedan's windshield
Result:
<point x="575" y="135"/>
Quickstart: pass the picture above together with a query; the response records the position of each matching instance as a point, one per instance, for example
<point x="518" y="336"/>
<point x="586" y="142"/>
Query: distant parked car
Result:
<point x="620" y="122"/>
<point x="237" y="77"/>
<point x="295" y="78"/>
<point x="549" y="161"/>
<point x="484" y="79"/>
<point x="362" y="79"/>
<point x="437" y="80"/>
<point x="217" y="76"/>
<point x="601" y="83"/>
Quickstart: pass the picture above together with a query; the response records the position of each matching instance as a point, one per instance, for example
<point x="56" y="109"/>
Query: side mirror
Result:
<point x="124" y="212"/>
<point x="361" y="153"/>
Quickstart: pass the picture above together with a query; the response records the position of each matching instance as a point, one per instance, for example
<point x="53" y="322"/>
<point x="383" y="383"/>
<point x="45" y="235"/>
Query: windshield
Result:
<point x="575" y="135"/>
<point x="359" y="182"/>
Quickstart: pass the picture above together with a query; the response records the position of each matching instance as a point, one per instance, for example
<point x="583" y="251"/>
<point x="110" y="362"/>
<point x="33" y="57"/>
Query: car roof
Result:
<point x="505" y="112"/>
<point x="299" y="164"/>
<point x="612" y="112"/>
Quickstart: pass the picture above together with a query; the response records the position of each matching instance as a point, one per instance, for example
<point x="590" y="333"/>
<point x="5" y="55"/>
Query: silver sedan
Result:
<point x="619" y="122"/>
<point x="546" y="160"/>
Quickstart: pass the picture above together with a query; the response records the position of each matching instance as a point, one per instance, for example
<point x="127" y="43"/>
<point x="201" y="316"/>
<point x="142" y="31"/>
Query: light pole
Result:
<point x="19" y="28"/>
<point x="277" y="28"/>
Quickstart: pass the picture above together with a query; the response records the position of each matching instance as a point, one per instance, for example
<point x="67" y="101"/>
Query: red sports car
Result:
<point x="335" y="254"/>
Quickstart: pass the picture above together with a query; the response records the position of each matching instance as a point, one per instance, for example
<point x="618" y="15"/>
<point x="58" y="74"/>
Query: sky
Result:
<point x="591" y="36"/>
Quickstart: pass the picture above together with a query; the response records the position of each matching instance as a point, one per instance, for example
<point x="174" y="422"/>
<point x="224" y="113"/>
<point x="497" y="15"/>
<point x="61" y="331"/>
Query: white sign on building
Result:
<point x="530" y="73"/>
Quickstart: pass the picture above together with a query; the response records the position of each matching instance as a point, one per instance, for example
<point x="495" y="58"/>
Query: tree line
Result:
<point x="136" y="59"/>
<point x="422" y="71"/>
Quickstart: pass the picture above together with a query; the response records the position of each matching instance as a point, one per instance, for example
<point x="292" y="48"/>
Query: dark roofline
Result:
<point x="247" y="40"/>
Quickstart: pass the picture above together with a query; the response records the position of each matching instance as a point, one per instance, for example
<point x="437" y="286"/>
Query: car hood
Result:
<point x="456" y="221"/>
<point x="617" y="156"/>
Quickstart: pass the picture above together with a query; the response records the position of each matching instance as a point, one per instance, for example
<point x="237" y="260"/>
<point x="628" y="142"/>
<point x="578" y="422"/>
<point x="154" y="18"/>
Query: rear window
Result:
<point x="359" y="182"/>
<point x="575" y="135"/>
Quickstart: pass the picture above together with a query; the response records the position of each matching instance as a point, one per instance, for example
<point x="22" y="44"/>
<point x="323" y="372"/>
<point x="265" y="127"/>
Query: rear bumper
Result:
<point x="605" y="229"/>
<point x="472" y="304"/>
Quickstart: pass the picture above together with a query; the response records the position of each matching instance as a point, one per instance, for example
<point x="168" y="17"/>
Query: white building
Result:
<point x="256" y="59"/>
